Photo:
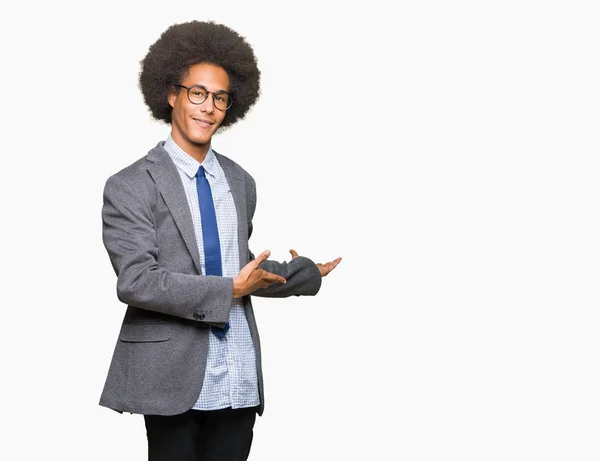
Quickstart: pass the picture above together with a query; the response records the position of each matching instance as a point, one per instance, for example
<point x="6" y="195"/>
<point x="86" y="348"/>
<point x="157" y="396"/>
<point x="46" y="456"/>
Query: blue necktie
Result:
<point x="210" y="235"/>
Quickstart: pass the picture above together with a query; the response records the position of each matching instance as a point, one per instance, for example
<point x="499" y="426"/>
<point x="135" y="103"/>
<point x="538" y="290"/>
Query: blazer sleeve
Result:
<point x="129" y="236"/>
<point x="302" y="276"/>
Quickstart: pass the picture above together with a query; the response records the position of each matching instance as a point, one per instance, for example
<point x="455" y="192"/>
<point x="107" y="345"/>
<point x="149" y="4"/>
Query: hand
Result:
<point x="251" y="278"/>
<point x="324" y="269"/>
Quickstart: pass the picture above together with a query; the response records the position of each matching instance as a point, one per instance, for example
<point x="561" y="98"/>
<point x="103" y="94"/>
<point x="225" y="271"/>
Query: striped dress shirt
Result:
<point x="230" y="379"/>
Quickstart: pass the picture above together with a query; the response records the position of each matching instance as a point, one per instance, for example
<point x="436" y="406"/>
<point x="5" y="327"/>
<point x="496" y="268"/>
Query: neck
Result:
<point x="194" y="150"/>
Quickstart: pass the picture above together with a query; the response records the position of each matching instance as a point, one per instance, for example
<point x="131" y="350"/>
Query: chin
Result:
<point x="202" y="137"/>
<point x="201" y="141"/>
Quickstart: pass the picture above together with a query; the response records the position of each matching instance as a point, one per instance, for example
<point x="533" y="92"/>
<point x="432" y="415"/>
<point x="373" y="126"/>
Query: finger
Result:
<point x="335" y="262"/>
<point x="328" y="267"/>
<point x="293" y="253"/>
<point x="262" y="257"/>
<point x="272" y="278"/>
<point x="267" y="284"/>
<point x="332" y="264"/>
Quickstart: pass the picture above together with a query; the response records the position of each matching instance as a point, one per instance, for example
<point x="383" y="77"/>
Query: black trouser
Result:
<point x="219" y="435"/>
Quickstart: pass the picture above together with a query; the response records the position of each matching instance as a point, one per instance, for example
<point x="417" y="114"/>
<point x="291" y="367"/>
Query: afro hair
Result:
<point x="183" y="45"/>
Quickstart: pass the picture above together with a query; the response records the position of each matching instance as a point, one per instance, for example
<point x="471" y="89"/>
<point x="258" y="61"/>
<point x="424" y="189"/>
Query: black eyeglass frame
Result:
<point x="214" y="95"/>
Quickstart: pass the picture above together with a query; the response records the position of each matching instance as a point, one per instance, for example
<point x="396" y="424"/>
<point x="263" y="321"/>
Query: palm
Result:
<point x="324" y="268"/>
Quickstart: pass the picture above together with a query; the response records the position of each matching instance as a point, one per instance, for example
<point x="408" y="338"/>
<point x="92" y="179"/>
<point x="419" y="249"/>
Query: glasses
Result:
<point x="197" y="94"/>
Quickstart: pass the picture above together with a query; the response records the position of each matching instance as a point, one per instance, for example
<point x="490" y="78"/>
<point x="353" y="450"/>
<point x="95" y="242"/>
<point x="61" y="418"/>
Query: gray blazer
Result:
<point x="160" y="356"/>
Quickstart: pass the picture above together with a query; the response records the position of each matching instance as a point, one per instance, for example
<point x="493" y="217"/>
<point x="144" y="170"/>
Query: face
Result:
<point x="192" y="125"/>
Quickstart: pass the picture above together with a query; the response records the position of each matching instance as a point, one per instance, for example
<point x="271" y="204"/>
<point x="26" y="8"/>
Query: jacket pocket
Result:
<point x="145" y="332"/>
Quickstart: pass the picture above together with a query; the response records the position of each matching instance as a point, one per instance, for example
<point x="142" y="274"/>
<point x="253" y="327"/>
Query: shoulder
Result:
<point x="140" y="166"/>
<point x="135" y="176"/>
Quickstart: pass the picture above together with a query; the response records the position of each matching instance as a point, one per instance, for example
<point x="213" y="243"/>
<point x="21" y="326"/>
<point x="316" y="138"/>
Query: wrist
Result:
<point x="237" y="290"/>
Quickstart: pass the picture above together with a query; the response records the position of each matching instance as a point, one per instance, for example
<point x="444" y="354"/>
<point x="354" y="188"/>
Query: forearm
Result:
<point x="302" y="278"/>
<point x="193" y="297"/>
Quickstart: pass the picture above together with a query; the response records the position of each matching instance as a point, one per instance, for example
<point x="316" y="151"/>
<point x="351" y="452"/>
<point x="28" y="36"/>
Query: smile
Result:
<point x="203" y="123"/>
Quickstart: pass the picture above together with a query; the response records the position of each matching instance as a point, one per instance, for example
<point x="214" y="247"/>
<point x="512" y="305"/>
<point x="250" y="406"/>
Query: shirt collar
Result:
<point x="188" y="164"/>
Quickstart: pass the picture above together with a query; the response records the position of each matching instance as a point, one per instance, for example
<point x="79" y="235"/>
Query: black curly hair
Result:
<point x="183" y="45"/>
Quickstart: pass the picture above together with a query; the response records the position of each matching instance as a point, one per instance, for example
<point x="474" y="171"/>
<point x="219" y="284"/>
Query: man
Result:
<point x="176" y="225"/>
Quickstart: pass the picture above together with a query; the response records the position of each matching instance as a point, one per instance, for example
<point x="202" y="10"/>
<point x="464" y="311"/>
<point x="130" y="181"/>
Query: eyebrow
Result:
<point x="203" y="86"/>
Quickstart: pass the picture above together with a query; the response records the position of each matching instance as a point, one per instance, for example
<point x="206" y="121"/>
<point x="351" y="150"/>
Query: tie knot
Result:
<point x="200" y="173"/>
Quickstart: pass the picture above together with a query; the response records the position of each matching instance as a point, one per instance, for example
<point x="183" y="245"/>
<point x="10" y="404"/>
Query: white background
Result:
<point x="448" y="151"/>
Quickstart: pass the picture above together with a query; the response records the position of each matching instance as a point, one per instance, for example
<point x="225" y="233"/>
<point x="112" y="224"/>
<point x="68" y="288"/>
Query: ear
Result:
<point x="172" y="96"/>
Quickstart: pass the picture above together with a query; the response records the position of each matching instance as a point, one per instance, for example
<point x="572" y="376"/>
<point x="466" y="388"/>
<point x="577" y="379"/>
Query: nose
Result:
<point x="208" y="105"/>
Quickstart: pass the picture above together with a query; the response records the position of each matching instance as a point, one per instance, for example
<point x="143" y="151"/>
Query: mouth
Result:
<point x="203" y="123"/>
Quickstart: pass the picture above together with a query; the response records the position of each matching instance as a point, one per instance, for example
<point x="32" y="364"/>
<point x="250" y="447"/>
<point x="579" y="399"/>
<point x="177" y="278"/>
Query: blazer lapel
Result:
<point x="238" y="191"/>
<point x="165" y="175"/>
